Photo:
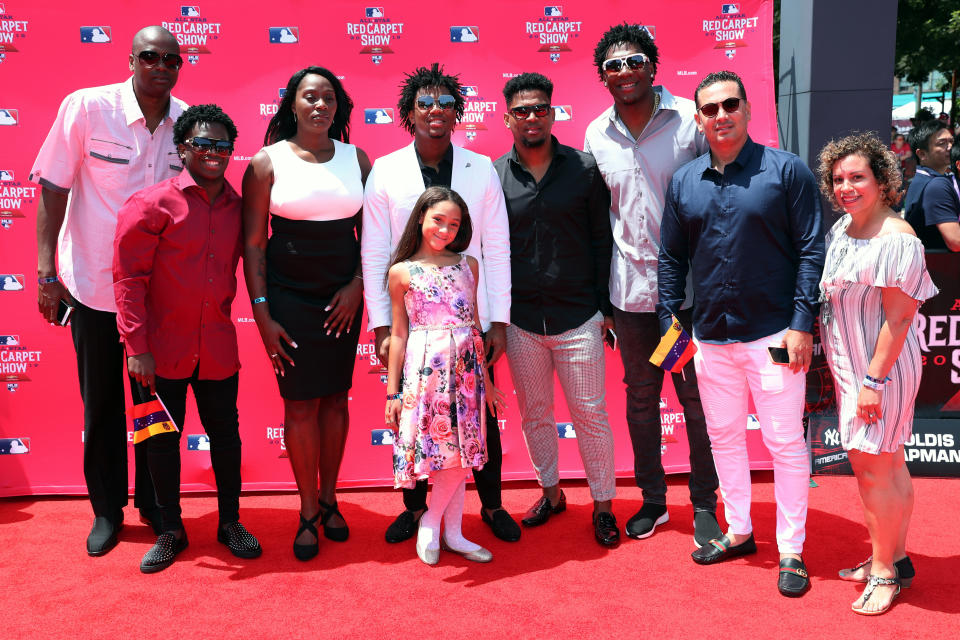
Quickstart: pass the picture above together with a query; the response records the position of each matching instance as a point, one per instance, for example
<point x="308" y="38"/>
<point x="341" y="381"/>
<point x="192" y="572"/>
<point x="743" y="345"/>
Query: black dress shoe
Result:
<point x="404" y="526"/>
<point x="337" y="534"/>
<point x="720" y="549"/>
<point x="162" y="554"/>
<point x="543" y="509"/>
<point x="103" y="536"/>
<point x="241" y="542"/>
<point x="605" y="529"/>
<point x="502" y="525"/>
<point x="793" y="581"/>
<point x="306" y="551"/>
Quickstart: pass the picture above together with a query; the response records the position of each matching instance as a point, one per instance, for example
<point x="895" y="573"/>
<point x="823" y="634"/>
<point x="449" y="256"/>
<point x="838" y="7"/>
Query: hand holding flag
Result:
<point x="675" y="349"/>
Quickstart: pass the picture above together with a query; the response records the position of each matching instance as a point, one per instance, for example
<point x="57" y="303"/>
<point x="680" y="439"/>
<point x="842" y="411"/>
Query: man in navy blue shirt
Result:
<point x="931" y="211"/>
<point x="745" y="220"/>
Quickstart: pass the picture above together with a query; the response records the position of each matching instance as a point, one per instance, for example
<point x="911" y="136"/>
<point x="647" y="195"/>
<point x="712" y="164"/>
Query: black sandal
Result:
<point x="307" y="551"/>
<point x="337" y="534"/>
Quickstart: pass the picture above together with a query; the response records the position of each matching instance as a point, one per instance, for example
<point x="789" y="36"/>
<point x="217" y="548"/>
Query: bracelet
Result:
<point x="877" y="380"/>
<point x="360" y="277"/>
<point x="873" y="383"/>
<point x="259" y="300"/>
<point x="394" y="396"/>
<point x="47" y="280"/>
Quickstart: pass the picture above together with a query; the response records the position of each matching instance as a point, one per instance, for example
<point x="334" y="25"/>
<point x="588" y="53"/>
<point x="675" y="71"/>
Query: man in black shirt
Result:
<point x="560" y="246"/>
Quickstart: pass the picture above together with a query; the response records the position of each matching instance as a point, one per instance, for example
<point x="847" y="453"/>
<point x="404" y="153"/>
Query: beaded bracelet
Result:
<point x="873" y="383"/>
<point x="394" y="396"/>
<point x="259" y="300"/>
<point x="47" y="280"/>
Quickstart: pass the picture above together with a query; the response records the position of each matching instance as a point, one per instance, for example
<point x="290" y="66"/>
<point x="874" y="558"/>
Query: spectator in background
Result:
<point x="941" y="206"/>
<point x="900" y="147"/>
<point x="931" y="143"/>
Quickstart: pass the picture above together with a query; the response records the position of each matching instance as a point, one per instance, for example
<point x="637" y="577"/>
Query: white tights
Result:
<point x="446" y="506"/>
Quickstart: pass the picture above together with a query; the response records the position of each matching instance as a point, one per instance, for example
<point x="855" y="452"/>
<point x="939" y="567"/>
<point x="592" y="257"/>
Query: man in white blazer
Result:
<point x="430" y="105"/>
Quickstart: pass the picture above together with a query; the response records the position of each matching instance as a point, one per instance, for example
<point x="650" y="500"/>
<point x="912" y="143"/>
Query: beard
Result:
<point x="533" y="144"/>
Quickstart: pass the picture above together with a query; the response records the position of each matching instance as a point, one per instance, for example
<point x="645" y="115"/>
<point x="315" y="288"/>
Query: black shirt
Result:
<point x="434" y="178"/>
<point x="560" y="241"/>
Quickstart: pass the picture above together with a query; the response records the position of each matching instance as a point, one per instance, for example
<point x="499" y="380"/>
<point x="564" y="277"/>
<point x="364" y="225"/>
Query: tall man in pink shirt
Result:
<point x="106" y="143"/>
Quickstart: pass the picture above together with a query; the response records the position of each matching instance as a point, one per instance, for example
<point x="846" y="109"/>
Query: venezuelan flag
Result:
<point x="149" y="419"/>
<point x="675" y="349"/>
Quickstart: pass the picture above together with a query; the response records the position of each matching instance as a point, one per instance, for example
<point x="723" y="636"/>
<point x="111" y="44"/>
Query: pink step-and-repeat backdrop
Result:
<point x="241" y="58"/>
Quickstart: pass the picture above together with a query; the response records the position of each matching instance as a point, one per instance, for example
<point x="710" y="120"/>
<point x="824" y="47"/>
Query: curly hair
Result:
<point x="634" y="34"/>
<point x="283" y="124"/>
<point x="424" y="78"/>
<point x="202" y="113"/>
<point x="884" y="165"/>
<point x="527" y="82"/>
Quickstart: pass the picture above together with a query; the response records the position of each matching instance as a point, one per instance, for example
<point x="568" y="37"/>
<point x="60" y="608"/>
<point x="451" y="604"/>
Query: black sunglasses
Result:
<point x="711" y="109"/>
<point x="522" y="113"/>
<point x="152" y="58"/>
<point x="633" y="61"/>
<point x="444" y="102"/>
<point x="211" y="145"/>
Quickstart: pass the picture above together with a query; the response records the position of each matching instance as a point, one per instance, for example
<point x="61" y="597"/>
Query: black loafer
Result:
<point x="103" y="536"/>
<point x="605" y="529"/>
<point x="241" y="542"/>
<point x="502" y="525"/>
<point x="543" y="509"/>
<point x="163" y="553"/>
<point x="403" y="527"/>
<point x="793" y="581"/>
<point x="720" y="549"/>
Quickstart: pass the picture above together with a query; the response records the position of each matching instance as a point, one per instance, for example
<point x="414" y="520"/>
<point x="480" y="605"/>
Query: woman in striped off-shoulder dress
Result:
<point x="874" y="280"/>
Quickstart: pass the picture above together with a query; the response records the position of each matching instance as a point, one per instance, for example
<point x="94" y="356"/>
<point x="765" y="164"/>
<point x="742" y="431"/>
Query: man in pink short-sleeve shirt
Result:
<point x="105" y="144"/>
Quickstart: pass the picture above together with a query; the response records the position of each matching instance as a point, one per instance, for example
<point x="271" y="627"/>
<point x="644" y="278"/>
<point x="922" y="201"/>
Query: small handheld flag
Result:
<point x="675" y="349"/>
<point x="149" y="419"/>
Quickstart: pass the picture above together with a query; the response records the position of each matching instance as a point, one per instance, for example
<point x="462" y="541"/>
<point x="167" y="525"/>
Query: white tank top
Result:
<point x="304" y="190"/>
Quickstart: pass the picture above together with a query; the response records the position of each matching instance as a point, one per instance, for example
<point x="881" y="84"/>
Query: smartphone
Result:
<point x="63" y="313"/>
<point x="779" y="355"/>
<point x="611" y="339"/>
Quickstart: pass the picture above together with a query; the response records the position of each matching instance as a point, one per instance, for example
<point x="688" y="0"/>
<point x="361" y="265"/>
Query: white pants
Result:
<point x="577" y="357"/>
<point x="725" y="373"/>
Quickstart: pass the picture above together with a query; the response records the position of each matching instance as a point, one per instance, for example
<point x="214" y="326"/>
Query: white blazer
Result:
<point x="393" y="187"/>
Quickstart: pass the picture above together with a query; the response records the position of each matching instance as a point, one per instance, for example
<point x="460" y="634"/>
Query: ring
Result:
<point x="275" y="355"/>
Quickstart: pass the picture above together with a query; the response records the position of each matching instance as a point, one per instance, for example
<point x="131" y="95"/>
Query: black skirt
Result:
<point x="308" y="261"/>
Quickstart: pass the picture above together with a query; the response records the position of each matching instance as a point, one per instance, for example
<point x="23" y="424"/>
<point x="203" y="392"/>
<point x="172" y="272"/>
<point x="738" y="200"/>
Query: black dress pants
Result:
<point x="100" y="368"/>
<point x="487" y="479"/>
<point x="217" y="406"/>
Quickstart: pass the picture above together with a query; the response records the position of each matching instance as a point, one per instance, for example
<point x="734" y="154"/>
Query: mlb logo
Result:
<point x="9" y="117"/>
<point x="96" y="34"/>
<point x="469" y="91"/>
<point x="663" y="403"/>
<point x="374" y="12"/>
<point x="381" y="436"/>
<point x="198" y="442"/>
<point x="284" y="35"/>
<point x="3" y="56"/>
<point x="6" y="223"/>
<point x="6" y="174"/>
<point x="282" y="92"/>
<point x="11" y="281"/>
<point x="729" y="7"/>
<point x="471" y="135"/>
<point x="376" y="59"/>
<point x="562" y="112"/>
<point x="12" y="386"/>
<point x="193" y="59"/>
<point x="2" y="8"/>
<point x="9" y="340"/>
<point x="730" y="53"/>
<point x="565" y="430"/>
<point x="553" y="12"/>
<point x="753" y="422"/>
<point x="13" y="446"/>
<point x="464" y="34"/>
<point x="190" y="12"/>
<point x="378" y="115"/>
<point x="554" y="57"/>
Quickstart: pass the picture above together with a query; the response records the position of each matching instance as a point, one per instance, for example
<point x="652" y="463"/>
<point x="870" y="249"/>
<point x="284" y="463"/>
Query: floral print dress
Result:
<point x="443" y="422"/>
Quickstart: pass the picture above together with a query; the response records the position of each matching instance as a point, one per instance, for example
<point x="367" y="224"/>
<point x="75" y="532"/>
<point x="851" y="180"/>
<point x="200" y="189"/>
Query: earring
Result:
<point x="294" y="116"/>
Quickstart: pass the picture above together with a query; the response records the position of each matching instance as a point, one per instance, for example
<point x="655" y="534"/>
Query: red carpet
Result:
<point x="555" y="583"/>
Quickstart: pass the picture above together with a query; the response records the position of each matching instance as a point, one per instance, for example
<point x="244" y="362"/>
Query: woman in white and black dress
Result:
<point x="874" y="280"/>
<point x="305" y="282"/>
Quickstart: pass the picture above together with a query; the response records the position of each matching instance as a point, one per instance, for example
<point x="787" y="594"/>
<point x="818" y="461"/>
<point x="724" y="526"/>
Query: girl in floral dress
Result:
<point x="436" y="368"/>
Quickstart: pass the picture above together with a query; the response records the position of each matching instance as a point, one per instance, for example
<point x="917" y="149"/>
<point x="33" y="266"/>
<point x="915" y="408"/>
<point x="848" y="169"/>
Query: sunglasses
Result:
<point x="211" y="145"/>
<point x="522" y="113"/>
<point x="711" y="109"/>
<point x="444" y="102"/>
<point x="634" y="61"/>
<point x="152" y="58"/>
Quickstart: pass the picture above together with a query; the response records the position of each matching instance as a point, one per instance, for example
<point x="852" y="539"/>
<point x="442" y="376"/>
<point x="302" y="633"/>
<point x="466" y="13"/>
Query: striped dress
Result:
<point x="854" y="274"/>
